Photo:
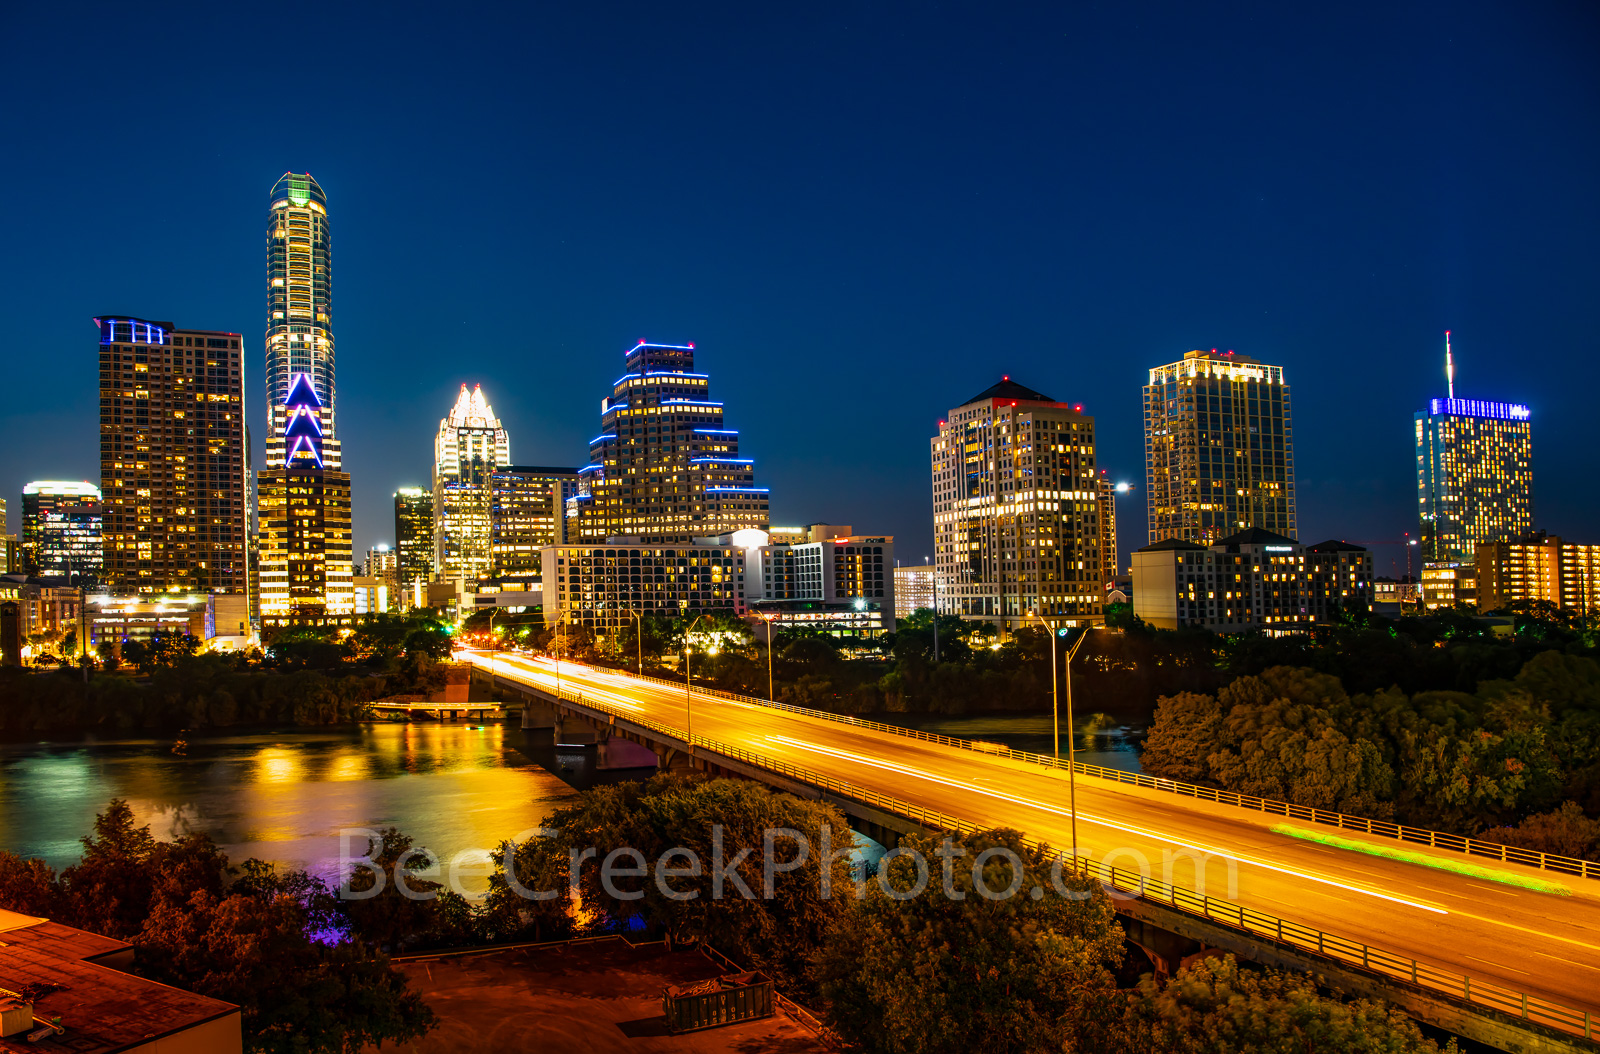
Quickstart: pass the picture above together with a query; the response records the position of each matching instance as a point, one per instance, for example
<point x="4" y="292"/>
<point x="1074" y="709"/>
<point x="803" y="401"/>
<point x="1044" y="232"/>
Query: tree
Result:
<point x="1565" y="831"/>
<point x="931" y="974"/>
<point x="162" y="650"/>
<point x="1217" y="1007"/>
<point x="28" y="886"/>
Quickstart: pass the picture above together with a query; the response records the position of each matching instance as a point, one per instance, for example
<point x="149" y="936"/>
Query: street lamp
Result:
<point x="638" y="620"/>
<point x="768" y="620"/>
<point x="688" y="709"/>
<point x="1055" y="714"/>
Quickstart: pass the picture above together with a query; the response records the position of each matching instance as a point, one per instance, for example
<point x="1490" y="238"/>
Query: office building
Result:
<point x="61" y="529"/>
<point x="604" y="586"/>
<point x="304" y="513"/>
<point x="381" y="562"/>
<point x="1106" y="500"/>
<point x="174" y="462"/>
<point x="528" y="514"/>
<point x="1253" y="580"/>
<point x="1539" y="567"/>
<point x="468" y="448"/>
<point x="1219" y="448"/>
<point x="1016" y="515"/>
<point x="836" y="581"/>
<point x="1446" y="583"/>
<point x="913" y="589"/>
<point x="664" y="469"/>
<point x="299" y="335"/>
<point x="1474" y="473"/>
<point x="413" y="543"/>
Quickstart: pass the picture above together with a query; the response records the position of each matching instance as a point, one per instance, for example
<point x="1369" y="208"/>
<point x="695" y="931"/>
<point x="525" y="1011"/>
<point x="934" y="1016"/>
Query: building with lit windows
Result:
<point x="1539" y="567"/>
<point x="604" y="586"/>
<point x="413" y="543"/>
<point x="1016" y="513"/>
<point x="664" y="469"/>
<point x="62" y="528"/>
<point x="836" y="581"/>
<point x="1106" y="500"/>
<point x="913" y="589"/>
<point x="1252" y="580"/>
<point x="1218" y="447"/>
<point x="528" y="514"/>
<point x="306" y="569"/>
<point x="1446" y="583"/>
<point x="1474" y="475"/>
<point x="174" y="461"/>
<point x="467" y="451"/>
<point x="300" y="306"/>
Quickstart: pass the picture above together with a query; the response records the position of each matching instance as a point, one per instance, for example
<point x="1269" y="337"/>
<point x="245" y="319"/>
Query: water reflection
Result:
<point x="283" y="797"/>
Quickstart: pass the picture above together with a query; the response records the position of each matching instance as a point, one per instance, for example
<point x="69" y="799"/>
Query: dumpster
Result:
<point x="719" y="1001"/>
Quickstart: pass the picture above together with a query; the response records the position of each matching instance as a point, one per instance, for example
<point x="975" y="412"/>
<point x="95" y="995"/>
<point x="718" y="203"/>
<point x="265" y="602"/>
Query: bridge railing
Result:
<point x="1377" y="961"/>
<point x="1511" y="854"/>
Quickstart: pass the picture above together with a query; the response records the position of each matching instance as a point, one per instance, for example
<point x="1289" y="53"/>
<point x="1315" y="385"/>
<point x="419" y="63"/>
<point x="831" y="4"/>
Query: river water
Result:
<point x="285" y="797"/>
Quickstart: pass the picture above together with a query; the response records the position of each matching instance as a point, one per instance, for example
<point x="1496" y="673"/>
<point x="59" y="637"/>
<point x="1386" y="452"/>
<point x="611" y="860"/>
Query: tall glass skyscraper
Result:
<point x="470" y="446"/>
<point x="300" y="307"/>
<point x="663" y="468"/>
<point x="1219" y="449"/>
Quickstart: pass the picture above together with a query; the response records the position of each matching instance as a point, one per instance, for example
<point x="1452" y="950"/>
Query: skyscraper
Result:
<point x="1106" y="500"/>
<point x="305" y="559"/>
<point x="61" y="528"/>
<point x="1474" y="473"/>
<point x="663" y="468"/>
<point x="300" y="306"/>
<point x="1016" y="514"/>
<point x="173" y="459"/>
<point x="468" y="448"/>
<point x="413" y="542"/>
<point x="1219" y="448"/>
<point x="528" y="514"/>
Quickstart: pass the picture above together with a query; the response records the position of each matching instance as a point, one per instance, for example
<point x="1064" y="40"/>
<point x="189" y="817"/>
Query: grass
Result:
<point x="1460" y="867"/>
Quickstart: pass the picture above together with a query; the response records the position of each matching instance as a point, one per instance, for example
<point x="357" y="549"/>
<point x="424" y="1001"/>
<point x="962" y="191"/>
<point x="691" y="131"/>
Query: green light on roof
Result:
<point x="299" y="191"/>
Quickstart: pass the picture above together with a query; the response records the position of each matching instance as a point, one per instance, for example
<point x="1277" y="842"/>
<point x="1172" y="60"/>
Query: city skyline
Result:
<point x="1306" y="267"/>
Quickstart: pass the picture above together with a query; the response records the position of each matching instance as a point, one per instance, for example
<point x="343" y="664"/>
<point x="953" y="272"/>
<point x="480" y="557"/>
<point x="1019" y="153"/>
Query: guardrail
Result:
<point x="1225" y="912"/>
<point x="1510" y="854"/>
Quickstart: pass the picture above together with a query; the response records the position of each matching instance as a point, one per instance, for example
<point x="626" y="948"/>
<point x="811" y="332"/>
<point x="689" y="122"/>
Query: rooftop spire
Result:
<point x="1449" y="366"/>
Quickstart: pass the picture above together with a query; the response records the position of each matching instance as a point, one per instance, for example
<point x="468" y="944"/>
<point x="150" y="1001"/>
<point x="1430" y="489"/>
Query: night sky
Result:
<point x="861" y="214"/>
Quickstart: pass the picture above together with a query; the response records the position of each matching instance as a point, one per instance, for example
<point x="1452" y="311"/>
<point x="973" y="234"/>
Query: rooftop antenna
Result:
<point x="1449" y="366"/>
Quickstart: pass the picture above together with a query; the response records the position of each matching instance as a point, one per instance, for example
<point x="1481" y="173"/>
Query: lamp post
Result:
<point x="688" y="709"/>
<point x="1055" y="712"/>
<point x="768" y="620"/>
<point x="638" y="621"/>
<point x="560" y="623"/>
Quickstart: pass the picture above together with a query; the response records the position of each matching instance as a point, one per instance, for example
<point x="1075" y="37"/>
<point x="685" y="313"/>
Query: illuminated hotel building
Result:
<point x="664" y="470"/>
<point x="1016" y="515"/>
<point x="62" y="528"/>
<point x="528" y="514"/>
<point x="836" y="582"/>
<point x="174" y="464"/>
<point x="413" y="543"/>
<point x="1219" y="448"/>
<point x="306" y="570"/>
<point x="1474" y="476"/>
<point x="300" y="306"/>
<point x="913" y="589"/>
<point x="1539" y="567"/>
<point x="1106" y="498"/>
<point x="468" y="449"/>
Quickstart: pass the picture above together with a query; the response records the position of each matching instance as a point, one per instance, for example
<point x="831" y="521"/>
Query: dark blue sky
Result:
<point x="861" y="214"/>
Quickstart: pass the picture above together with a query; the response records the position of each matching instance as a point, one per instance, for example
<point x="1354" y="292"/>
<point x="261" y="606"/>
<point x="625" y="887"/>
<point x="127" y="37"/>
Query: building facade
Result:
<point x="913" y="589"/>
<point x="1446" y="583"/>
<point x="528" y="514"/>
<point x="469" y="448"/>
<point x="1253" y="580"/>
<point x="1106" y="501"/>
<point x="174" y="463"/>
<point x="1219" y="448"/>
<point x="306" y="543"/>
<point x="299" y="337"/>
<point x="62" y="523"/>
<point x="664" y="469"/>
<point x="413" y="543"/>
<point x="1539" y="567"/>
<point x="602" y="586"/>
<point x="1474" y="476"/>
<point x="1016" y="514"/>
<point x="836" y="581"/>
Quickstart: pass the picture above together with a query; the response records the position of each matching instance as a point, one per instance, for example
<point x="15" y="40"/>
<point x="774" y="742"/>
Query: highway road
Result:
<point x="1541" y="943"/>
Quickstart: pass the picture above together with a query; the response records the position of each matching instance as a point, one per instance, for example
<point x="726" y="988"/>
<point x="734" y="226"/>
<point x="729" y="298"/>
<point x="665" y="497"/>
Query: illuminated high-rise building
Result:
<point x="1474" y="473"/>
<point x="528" y="514"/>
<point x="61" y="528"/>
<point x="1106" y="498"/>
<point x="413" y="543"/>
<point x="1016" y="513"/>
<point x="1219" y="449"/>
<point x="663" y="469"/>
<point x="306" y="570"/>
<point x="174" y="463"/>
<point x="469" y="447"/>
<point x="300" y="306"/>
